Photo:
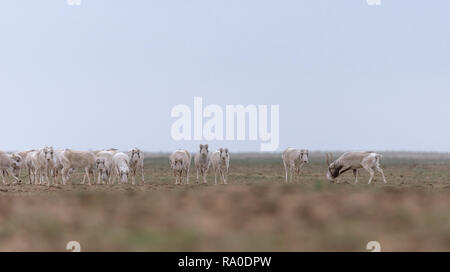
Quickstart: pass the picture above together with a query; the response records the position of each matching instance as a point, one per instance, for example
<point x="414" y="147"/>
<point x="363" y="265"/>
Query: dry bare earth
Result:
<point x="255" y="212"/>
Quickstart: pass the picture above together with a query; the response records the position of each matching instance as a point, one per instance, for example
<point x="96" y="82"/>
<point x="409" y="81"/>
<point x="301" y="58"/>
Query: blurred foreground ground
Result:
<point x="255" y="212"/>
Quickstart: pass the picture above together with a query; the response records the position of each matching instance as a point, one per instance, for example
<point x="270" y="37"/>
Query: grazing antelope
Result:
<point x="121" y="167"/>
<point x="370" y="161"/>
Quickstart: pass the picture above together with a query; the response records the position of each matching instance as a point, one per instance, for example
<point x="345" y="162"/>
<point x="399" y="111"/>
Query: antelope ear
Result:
<point x="206" y="145"/>
<point x="201" y="146"/>
<point x="226" y="150"/>
<point x="221" y="150"/>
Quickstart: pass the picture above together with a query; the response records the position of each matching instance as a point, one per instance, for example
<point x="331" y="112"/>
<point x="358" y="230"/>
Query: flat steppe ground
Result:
<point x="256" y="211"/>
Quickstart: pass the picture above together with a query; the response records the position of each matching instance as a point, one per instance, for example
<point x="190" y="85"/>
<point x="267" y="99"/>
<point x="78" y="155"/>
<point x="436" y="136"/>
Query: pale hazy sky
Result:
<point x="347" y="76"/>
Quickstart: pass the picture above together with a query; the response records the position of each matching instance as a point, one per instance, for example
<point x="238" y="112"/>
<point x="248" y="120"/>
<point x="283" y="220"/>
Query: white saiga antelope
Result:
<point x="220" y="161"/>
<point x="30" y="164"/>
<point x="8" y="162"/>
<point x="293" y="161"/>
<point x="370" y="161"/>
<point x="180" y="162"/>
<point x="201" y="160"/>
<point x="58" y="165"/>
<point x="45" y="163"/>
<point x="136" y="161"/>
<point x="104" y="164"/>
<point x="23" y="155"/>
<point x="121" y="167"/>
<point x="72" y="159"/>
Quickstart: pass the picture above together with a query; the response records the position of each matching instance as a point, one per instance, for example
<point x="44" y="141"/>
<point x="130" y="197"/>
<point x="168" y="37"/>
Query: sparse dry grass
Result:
<point x="255" y="212"/>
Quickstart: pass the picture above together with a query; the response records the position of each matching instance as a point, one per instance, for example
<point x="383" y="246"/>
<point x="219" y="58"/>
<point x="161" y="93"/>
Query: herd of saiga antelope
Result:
<point x="46" y="163"/>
